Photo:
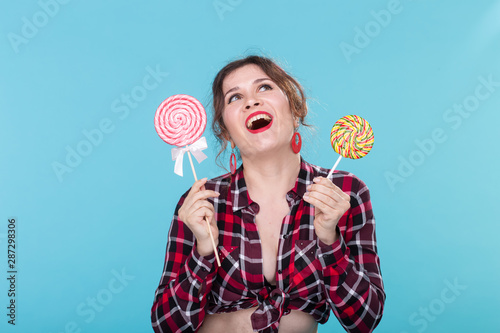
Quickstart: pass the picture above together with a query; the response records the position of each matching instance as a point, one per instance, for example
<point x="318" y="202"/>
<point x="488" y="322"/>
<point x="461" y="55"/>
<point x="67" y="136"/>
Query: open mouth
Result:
<point x="259" y="121"/>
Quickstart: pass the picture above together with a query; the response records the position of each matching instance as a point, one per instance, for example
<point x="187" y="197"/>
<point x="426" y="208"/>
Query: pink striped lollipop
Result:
<point x="180" y="120"/>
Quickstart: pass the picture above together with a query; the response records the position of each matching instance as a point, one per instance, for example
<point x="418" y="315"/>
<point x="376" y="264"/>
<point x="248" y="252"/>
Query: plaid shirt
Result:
<point x="311" y="276"/>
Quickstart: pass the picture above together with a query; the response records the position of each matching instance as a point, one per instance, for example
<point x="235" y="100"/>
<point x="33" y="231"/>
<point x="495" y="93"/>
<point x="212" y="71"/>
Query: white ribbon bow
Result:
<point x="195" y="148"/>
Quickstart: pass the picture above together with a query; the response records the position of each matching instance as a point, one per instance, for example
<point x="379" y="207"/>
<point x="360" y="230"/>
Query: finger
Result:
<point x="202" y="204"/>
<point x="199" y="217"/>
<point x="329" y="184"/>
<point x="194" y="196"/>
<point x="327" y="191"/>
<point x="326" y="203"/>
<point x="200" y="183"/>
<point x="318" y="204"/>
<point x="205" y="215"/>
<point x="192" y="202"/>
<point x="202" y="195"/>
<point x="327" y="213"/>
<point x="323" y="202"/>
<point x="197" y="186"/>
<point x="208" y="219"/>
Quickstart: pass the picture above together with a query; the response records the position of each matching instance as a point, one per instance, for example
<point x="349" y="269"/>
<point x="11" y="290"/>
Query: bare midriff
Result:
<point x="239" y="322"/>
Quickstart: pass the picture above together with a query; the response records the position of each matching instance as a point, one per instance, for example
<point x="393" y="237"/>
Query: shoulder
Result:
<point x="218" y="182"/>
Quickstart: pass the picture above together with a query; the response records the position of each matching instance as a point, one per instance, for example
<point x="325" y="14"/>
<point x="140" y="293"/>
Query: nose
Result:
<point x="254" y="103"/>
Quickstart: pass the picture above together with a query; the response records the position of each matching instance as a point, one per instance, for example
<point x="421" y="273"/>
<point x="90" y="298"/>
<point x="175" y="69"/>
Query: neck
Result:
<point x="271" y="177"/>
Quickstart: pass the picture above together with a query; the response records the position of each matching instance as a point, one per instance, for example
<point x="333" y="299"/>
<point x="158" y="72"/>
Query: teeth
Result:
<point x="257" y="117"/>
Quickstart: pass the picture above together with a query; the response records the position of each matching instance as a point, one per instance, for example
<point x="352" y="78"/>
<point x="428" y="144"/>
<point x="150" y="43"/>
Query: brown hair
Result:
<point x="285" y="82"/>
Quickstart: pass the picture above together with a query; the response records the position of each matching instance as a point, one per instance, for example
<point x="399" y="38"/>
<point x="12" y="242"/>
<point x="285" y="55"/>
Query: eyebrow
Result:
<point x="254" y="82"/>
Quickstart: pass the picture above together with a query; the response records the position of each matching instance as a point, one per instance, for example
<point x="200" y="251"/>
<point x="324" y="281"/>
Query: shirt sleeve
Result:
<point x="181" y="297"/>
<point x="351" y="268"/>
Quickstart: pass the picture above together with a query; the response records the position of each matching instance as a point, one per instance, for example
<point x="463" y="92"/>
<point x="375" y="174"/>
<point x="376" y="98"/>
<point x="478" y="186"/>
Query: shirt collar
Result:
<point x="239" y="192"/>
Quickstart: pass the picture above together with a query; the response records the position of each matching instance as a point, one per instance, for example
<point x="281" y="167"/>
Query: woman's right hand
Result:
<point x="193" y="211"/>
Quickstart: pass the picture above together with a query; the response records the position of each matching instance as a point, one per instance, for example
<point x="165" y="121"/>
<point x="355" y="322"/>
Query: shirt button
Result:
<point x="279" y="271"/>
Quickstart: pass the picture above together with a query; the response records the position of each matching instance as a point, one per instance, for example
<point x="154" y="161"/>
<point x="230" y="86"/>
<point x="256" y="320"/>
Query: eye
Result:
<point x="265" y="87"/>
<point x="233" y="98"/>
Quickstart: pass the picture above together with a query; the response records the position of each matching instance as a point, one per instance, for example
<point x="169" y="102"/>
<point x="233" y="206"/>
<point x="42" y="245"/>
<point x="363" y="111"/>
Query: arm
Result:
<point x="351" y="267"/>
<point x="181" y="297"/>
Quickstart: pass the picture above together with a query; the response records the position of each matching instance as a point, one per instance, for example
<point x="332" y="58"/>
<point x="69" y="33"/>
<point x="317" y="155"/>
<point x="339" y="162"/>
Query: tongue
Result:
<point x="259" y="123"/>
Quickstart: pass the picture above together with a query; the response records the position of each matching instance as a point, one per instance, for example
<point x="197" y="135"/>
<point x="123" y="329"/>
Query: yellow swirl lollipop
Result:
<point x="352" y="137"/>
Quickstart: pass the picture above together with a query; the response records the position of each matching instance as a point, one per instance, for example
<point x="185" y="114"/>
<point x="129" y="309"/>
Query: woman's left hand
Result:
<point x="330" y="204"/>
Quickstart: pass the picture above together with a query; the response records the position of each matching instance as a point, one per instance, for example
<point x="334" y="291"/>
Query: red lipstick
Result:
<point x="258" y="122"/>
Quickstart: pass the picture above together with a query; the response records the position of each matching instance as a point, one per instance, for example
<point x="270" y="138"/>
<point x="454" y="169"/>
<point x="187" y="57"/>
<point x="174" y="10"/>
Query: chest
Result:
<point x="269" y="222"/>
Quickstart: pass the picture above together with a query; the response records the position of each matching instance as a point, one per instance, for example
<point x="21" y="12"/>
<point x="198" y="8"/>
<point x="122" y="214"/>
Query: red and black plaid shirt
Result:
<point x="311" y="276"/>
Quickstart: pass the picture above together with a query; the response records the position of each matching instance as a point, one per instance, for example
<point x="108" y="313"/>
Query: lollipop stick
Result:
<point x="334" y="166"/>
<point x="208" y="223"/>
<point x="192" y="166"/>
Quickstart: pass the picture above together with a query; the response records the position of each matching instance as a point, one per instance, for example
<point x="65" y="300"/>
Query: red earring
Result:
<point x="232" y="163"/>
<point x="296" y="142"/>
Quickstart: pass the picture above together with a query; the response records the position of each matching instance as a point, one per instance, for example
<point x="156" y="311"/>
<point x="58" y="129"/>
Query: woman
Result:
<point x="293" y="244"/>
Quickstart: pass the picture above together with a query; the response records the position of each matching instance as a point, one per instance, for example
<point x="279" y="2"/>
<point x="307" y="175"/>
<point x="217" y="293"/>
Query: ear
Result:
<point x="296" y="122"/>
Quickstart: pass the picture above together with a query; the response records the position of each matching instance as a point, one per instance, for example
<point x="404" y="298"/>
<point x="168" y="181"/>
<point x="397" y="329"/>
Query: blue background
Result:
<point x="64" y="74"/>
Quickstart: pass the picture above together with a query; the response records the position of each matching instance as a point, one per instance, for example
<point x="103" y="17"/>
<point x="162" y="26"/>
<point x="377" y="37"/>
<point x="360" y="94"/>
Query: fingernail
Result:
<point x="316" y="180"/>
<point x="308" y="188"/>
<point x="306" y="195"/>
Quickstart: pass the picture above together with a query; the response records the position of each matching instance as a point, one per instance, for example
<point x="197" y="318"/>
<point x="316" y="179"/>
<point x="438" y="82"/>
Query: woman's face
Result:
<point x="256" y="112"/>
